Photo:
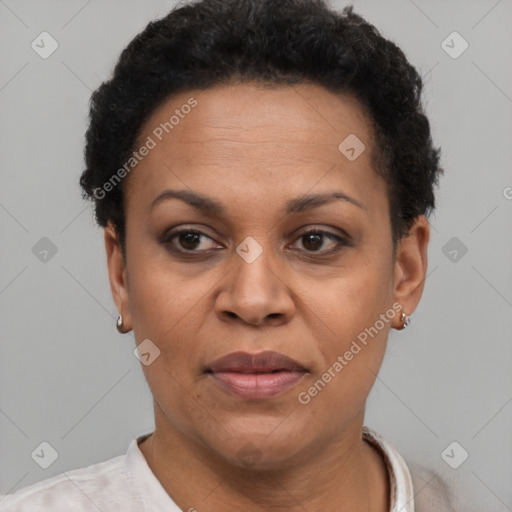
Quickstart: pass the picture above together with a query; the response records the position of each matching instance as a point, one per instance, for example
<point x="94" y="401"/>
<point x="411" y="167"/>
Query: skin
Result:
<point x="253" y="148"/>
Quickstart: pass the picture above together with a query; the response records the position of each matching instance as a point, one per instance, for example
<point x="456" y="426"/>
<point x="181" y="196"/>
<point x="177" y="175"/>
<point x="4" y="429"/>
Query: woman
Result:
<point x="263" y="172"/>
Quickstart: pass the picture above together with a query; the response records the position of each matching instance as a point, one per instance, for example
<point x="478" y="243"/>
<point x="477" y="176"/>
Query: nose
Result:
<point x="255" y="293"/>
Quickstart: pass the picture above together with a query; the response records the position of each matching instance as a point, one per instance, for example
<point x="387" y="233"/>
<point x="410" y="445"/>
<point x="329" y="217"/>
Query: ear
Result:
<point x="411" y="267"/>
<point x="117" y="273"/>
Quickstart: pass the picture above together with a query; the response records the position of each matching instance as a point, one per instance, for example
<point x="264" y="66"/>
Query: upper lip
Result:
<point x="262" y="362"/>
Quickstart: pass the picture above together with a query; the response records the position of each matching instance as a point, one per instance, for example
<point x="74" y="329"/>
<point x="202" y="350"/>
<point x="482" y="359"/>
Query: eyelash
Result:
<point x="167" y="241"/>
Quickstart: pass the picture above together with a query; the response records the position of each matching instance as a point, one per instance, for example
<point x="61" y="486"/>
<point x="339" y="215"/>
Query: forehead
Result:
<point x="291" y="136"/>
<point x="301" y="114"/>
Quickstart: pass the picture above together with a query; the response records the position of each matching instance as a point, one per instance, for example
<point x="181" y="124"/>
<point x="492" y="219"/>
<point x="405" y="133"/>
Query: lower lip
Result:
<point x="257" y="386"/>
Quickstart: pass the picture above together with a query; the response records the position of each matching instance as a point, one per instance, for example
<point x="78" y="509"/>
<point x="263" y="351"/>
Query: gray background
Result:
<point x="67" y="377"/>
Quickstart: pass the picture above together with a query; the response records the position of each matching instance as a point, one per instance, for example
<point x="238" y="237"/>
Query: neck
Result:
<point x="343" y="474"/>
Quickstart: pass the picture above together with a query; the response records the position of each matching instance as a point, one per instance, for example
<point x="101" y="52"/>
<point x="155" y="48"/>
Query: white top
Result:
<point x="127" y="484"/>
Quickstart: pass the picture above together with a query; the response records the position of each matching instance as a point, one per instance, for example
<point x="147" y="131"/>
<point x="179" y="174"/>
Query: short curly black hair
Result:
<point x="210" y="42"/>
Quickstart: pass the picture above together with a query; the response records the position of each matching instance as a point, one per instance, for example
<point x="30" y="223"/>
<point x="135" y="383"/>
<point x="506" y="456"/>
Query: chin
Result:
<point x="259" y="445"/>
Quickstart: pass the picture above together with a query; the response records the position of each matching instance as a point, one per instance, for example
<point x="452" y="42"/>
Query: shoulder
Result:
<point x="94" y="487"/>
<point x="431" y="491"/>
<point x="440" y="491"/>
<point x="436" y="489"/>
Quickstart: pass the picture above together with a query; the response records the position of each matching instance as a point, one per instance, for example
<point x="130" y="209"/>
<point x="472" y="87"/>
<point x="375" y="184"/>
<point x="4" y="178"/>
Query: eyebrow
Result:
<point x="211" y="206"/>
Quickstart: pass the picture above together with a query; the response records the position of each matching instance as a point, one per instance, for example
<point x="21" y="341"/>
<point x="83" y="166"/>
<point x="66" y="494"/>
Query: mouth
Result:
<point x="256" y="376"/>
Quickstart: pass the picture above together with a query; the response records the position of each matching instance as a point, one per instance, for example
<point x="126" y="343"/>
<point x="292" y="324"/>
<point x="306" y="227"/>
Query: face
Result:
<point x="251" y="234"/>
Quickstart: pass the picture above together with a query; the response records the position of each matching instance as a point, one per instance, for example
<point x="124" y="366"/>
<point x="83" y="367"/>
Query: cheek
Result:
<point x="170" y="310"/>
<point x="351" y="362"/>
<point x="159" y="296"/>
<point x="356" y="316"/>
<point x="353" y="301"/>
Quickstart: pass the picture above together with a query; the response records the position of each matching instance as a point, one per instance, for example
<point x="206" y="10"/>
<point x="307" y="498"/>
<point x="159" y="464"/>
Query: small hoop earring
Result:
<point x="119" y="325"/>
<point x="406" y="320"/>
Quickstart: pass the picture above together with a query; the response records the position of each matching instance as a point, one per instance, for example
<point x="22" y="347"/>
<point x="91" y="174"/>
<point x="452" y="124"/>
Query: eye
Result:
<point x="320" y="241"/>
<point x="194" y="242"/>
<point x="189" y="241"/>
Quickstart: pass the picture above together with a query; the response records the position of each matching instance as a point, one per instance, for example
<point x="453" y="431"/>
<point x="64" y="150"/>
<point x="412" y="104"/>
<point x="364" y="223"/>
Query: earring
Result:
<point x="406" y="320"/>
<point x="119" y="325"/>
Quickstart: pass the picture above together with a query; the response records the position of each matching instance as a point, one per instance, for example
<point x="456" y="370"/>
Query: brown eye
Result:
<point x="321" y="241"/>
<point x="189" y="241"/>
<point x="313" y="241"/>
